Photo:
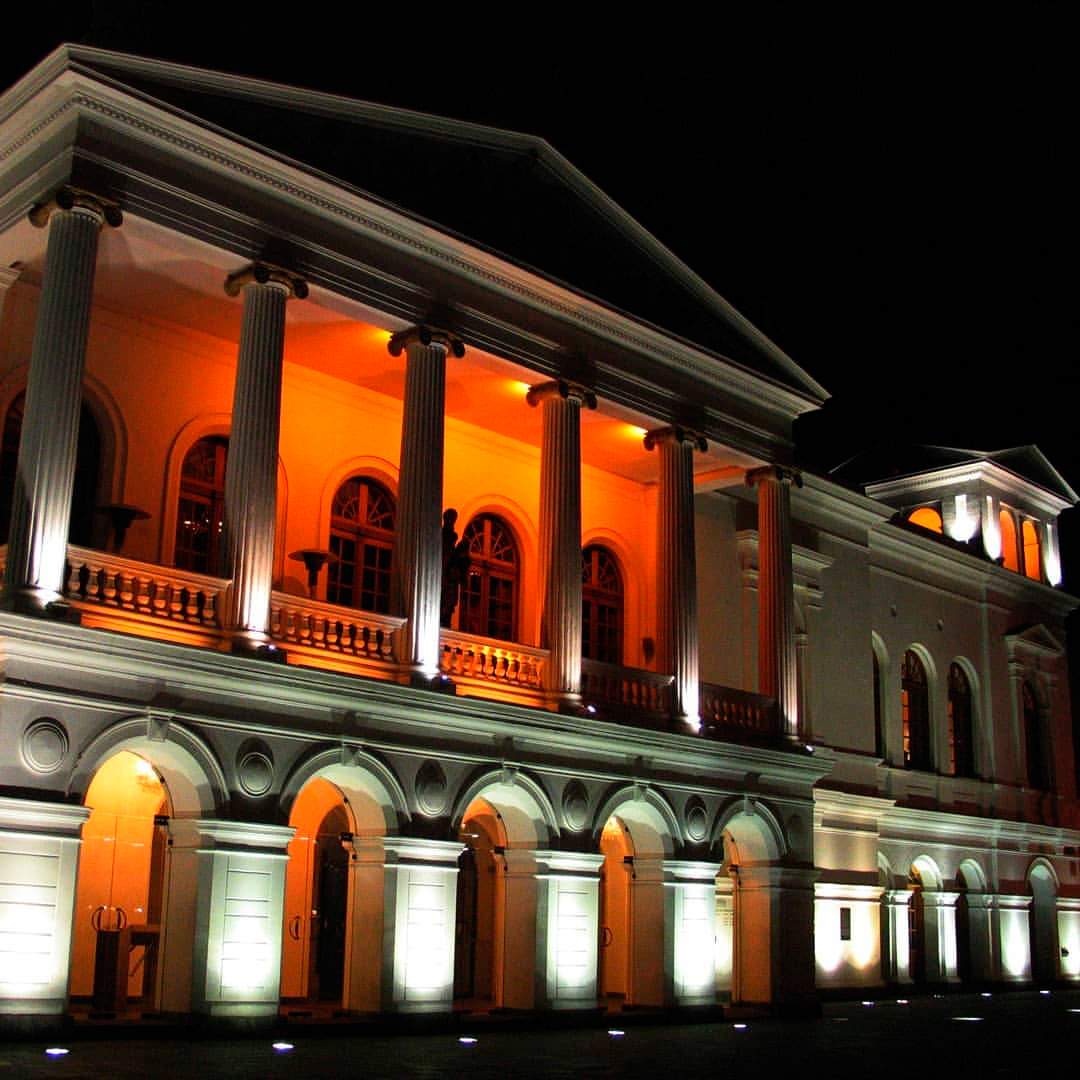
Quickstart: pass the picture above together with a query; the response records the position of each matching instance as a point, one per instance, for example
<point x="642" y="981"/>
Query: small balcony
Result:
<point x="131" y="597"/>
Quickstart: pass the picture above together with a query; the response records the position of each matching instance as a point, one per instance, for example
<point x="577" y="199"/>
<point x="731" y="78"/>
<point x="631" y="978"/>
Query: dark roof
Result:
<point x="508" y="193"/>
<point x="888" y="461"/>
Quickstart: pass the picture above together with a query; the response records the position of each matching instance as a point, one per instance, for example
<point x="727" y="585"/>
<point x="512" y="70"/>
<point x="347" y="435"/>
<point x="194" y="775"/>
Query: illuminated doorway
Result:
<point x="118" y="906"/>
<point x="313" y="956"/>
<point x="477" y="936"/>
<point x="616" y="917"/>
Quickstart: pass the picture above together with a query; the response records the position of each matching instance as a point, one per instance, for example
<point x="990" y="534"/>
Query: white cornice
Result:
<point x="990" y="474"/>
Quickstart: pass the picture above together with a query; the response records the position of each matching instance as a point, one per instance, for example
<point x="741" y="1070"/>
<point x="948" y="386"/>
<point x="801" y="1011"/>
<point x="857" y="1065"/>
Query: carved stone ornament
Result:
<point x="575" y="806"/>
<point x="262" y="273"/>
<point x="562" y="388"/>
<point x="675" y="434"/>
<point x="425" y="335"/>
<point x="697" y="819"/>
<point x="67" y="198"/>
<point x="431" y="789"/>
<point x="44" y="746"/>
<point x="255" y="772"/>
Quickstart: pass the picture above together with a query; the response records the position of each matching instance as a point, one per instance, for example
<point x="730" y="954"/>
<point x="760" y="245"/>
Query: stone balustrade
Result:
<point x="737" y="715"/>
<point x="611" y="685"/>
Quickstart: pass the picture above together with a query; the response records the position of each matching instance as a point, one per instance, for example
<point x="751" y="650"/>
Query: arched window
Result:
<point x="362" y="541"/>
<point x="879" y="725"/>
<point x="488" y="604"/>
<point x="1010" y="555"/>
<point x="601" y="606"/>
<point x="926" y="517"/>
<point x="1029" y="534"/>
<point x="1033" y="741"/>
<point x="200" y="511"/>
<point x="961" y="747"/>
<point x="915" y="705"/>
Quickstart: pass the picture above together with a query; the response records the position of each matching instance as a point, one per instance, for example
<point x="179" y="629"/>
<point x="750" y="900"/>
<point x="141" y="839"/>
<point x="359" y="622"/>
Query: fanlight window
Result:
<point x="926" y="517"/>
<point x="961" y="747"/>
<point x="200" y="511"/>
<point x="915" y="707"/>
<point x="362" y="545"/>
<point x="601" y="606"/>
<point x="488" y="605"/>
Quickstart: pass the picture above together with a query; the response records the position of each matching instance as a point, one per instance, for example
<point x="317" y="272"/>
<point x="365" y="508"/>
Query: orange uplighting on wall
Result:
<point x="1032" y="554"/>
<point x="1009" y="553"/>
<point x="926" y="517"/>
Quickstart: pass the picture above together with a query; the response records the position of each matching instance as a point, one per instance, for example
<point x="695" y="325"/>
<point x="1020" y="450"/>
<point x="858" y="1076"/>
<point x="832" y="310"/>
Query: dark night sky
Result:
<point x="888" y="190"/>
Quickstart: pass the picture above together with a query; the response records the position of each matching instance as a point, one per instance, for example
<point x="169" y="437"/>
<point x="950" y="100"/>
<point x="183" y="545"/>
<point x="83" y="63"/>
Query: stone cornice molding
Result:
<point x="675" y="434"/>
<point x="426" y="336"/>
<point x="561" y="388"/>
<point x="263" y="273"/>
<point x="74" y="198"/>
<point x="1018" y="492"/>
<point x="171" y="132"/>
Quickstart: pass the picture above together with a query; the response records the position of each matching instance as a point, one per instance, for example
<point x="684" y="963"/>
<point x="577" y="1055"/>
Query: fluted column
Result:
<point x="676" y="569"/>
<point x="251" y="471"/>
<point x="777" y="673"/>
<point x="45" y="476"/>
<point x="417" y="573"/>
<point x="560" y="533"/>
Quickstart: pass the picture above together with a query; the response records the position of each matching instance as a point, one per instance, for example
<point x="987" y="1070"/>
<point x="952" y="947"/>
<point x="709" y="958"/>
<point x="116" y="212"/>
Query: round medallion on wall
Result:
<point x="431" y="789"/>
<point x="697" y="820"/>
<point x="575" y="806"/>
<point x="255" y="771"/>
<point x="44" y="746"/>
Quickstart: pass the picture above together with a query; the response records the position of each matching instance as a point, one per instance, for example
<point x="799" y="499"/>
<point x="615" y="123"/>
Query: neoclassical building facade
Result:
<point x="412" y="600"/>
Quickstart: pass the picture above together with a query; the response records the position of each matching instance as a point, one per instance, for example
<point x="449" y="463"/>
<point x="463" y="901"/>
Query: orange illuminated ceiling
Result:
<point x="147" y="271"/>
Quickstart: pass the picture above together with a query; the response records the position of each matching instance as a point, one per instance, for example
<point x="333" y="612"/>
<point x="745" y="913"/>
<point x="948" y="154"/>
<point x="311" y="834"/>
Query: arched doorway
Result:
<point x="478" y="937"/>
<point x="313" y="954"/>
<point x="616" y="917"/>
<point x="963" y="929"/>
<point x="1043" y="924"/>
<point x="118" y="907"/>
<point x="916" y="928"/>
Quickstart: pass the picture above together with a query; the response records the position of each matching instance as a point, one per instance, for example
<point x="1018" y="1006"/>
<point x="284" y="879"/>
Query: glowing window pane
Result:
<point x="1032" y="556"/>
<point x="926" y="517"/>
<point x="1010" y="556"/>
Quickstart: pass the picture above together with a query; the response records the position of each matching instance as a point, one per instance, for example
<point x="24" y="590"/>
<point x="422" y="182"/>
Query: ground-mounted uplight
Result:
<point x="590" y="709"/>
<point x="1044" y="993"/>
<point x="616" y="1033"/>
<point x="739" y="1027"/>
<point x="1074" y="1010"/>
<point x="968" y="1019"/>
<point x="901" y="1001"/>
<point x="986" y="994"/>
<point x="283" y="1047"/>
<point x="867" y="1004"/>
<point x="467" y="1040"/>
<point x="56" y="1051"/>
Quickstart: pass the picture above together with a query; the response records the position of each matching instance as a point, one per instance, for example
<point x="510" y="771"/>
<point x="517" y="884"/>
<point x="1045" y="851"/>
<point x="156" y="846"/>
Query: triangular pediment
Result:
<point x="1035" y="638"/>
<point x="508" y="193"/>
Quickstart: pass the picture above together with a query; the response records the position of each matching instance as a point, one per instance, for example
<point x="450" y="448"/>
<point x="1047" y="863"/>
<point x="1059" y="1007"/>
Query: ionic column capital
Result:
<point x="426" y="336"/>
<point x="561" y="388"/>
<point x="263" y="273"/>
<point x="779" y="474"/>
<point x="675" y="434"/>
<point x="71" y="198"/>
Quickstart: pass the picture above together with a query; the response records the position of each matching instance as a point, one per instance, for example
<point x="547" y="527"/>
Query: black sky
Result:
<point x="888" y="190"/>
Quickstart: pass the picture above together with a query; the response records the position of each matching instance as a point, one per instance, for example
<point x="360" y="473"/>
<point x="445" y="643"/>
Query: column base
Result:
<point x="420" y="679"/>
<point x="258" y="650"/>
<point x="40" y="605"/>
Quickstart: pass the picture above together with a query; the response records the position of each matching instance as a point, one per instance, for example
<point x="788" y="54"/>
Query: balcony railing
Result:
<point x="128" y="596"/>
<point x="732" y="715"/>
<point x="614" y="690"/>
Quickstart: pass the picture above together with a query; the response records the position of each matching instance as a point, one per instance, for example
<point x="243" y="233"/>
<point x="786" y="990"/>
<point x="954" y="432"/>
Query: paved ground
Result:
<point x="955" y="1036"/>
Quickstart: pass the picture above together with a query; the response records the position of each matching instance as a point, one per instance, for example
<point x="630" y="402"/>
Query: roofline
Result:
<point x="83" y="59"/>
